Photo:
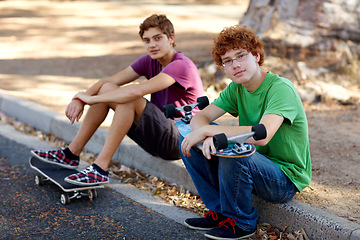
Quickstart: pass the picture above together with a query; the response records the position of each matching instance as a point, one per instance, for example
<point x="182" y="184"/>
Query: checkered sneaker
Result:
<point x="56" y="157"/>
<point x="88" y="177"/>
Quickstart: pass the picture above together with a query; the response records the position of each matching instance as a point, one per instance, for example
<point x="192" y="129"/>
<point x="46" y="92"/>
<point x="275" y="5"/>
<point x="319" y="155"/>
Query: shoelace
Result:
<point x="93" y="173"/>
<point x="213" y="215"/>
<point x="88" y="170"/>
<point x="231" y="221"/>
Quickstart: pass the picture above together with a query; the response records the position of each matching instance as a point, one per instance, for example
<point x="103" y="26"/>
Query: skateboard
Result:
<point x="233" y="147"/>
<point x="56" y="175"/>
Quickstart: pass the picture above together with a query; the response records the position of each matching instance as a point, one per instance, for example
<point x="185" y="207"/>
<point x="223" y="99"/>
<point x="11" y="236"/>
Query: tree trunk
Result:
<point x="321" y="32"/>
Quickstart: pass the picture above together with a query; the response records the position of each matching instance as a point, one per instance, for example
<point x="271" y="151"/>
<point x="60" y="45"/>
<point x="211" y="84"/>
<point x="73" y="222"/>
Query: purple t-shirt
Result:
<point x="188" y="86"/>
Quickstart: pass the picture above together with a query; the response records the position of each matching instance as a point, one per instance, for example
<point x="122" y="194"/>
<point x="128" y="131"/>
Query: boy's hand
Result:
<point x="190" y="140"/>
<point x="208" y="148"/>
<point x="84" y="97"/>
<point x="74" y="110"/>
<point x="195" y="137"/>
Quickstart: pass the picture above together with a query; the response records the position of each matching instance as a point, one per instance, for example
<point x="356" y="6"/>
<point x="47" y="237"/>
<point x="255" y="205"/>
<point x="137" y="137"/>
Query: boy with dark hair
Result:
<point x="281" y="165"/>
<point x="172" y="78"/>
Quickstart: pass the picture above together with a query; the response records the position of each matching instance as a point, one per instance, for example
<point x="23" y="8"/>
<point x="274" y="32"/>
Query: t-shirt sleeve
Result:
<point x="227" y="100"/>
<point x="282" y="100"/>
<point x="181" y="72"/>
<point x="139" y="66"/>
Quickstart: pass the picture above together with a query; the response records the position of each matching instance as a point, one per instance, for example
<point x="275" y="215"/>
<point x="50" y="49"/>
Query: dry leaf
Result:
<point x="124" y="168"/>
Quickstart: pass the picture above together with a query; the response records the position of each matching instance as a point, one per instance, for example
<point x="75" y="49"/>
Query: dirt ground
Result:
<point x="50" y="50"/>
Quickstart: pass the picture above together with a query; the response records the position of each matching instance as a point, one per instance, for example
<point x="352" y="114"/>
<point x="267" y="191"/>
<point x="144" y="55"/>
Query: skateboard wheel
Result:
<point x="220" y="141"/>
<point x="39" y="180"/>
<point x="260" y="131"/>
<point x="169" y="111"/>
<point x="64" y="199"/>
<point x="92" y="194"/>
<point x="203" y="102"/>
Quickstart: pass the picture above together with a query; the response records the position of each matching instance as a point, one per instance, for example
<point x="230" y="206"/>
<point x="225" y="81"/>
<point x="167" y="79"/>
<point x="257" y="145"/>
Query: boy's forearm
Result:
<point x="199" y="120"/>
<point x="94" y="89"/>
<point x="91" y="91"/>
<point x="202" y="124"/>
<point x="124" y="76"/>
<point x="123" y="94"/>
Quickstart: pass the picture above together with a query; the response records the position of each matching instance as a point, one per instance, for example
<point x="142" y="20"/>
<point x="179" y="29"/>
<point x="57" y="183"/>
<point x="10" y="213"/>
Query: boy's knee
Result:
<point x="107" y="87"/>
<point x="230" y="164"/>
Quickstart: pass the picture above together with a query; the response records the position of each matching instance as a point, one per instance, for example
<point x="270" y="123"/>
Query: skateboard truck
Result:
<point x="258" y="132"/>
<point x="170" y="110"/>
<point x="66" y="197"/>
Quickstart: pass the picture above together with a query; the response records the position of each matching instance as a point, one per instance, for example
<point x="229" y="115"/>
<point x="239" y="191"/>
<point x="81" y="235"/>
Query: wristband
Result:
<point x="79" y="100"/>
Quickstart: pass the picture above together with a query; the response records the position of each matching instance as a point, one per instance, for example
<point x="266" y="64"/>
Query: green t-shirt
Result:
<point x="289" y="148"/>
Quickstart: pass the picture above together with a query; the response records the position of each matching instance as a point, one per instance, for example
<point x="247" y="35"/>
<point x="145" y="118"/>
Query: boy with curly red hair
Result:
<point x="279" y="168"/>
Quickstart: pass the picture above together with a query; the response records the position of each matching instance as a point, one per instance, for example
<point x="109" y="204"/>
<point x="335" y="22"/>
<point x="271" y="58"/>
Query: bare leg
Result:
<point x="124" y="116"/>
<point x="94" y="117"/>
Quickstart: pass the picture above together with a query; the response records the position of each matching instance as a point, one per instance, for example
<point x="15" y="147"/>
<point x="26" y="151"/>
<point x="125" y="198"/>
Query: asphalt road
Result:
<point x="28" y="211"/>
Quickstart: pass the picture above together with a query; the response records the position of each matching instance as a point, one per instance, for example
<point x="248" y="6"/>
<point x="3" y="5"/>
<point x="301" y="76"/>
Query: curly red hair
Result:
<point x="237" y="37"/>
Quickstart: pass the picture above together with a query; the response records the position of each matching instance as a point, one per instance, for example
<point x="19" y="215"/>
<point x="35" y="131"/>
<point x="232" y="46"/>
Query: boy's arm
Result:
<point x="127" y="75"/>
<point x="201" y="124"/>
<point x="130" y="92"/>
<point x="272" y="123"/>
<point x="75" y="108"/>
<point x="202" y="130"/>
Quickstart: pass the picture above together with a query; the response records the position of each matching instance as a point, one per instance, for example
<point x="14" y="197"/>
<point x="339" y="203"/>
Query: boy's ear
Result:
<point x="172" y="39"/>
<point x="258" y="58"/>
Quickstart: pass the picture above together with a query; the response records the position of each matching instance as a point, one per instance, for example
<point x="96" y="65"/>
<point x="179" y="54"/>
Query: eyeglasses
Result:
<point x="239" y="58"/>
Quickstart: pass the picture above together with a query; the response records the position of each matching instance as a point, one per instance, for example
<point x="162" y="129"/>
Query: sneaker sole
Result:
<point x="53" y="163"/>
<point x="221" y="238"/>
<point x="83" y="184"/>
<point x="197" y="228"/>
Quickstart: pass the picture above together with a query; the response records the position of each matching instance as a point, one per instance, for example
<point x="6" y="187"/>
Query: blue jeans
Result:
<point x="226" y="185"/>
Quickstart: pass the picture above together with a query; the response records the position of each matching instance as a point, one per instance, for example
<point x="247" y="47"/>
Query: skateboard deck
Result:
<point x="56" y="175"/>
<point x="247" y="149"/>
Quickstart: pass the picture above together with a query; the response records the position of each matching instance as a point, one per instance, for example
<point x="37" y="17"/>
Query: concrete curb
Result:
<point x="317" y="224"/>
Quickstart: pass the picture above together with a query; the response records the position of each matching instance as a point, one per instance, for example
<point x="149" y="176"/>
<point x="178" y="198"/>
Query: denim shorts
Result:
<point x="156" y="134"/>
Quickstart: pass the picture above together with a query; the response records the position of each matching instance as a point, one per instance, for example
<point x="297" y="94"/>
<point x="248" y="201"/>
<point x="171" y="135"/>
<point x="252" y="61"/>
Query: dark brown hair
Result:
<point x="236" y="37"/>
<point x="160" y="21"/>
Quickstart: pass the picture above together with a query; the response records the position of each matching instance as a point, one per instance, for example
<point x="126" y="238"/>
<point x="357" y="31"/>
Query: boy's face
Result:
<point x="240" y="65"/>
<point x="157" y="44"/>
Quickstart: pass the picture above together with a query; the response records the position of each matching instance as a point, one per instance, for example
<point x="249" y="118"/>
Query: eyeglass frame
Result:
<point x="242" y="58"/>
